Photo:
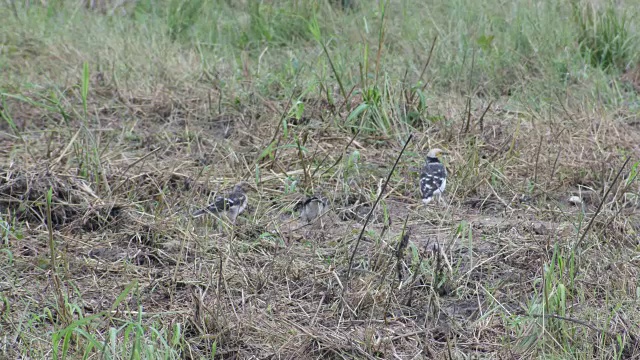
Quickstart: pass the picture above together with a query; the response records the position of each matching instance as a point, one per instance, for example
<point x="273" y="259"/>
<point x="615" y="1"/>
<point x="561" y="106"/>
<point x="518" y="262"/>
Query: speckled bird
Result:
<point x="313" y="207"/>
<point x="433" y="179"/>
<point x="232" y="203"/>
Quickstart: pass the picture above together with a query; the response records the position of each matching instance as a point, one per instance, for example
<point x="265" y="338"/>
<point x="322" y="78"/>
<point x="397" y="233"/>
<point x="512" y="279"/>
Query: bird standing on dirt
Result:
<point x="312" y="207"/>
<point x="233" y="203"/>
<point x="433" y="178"/>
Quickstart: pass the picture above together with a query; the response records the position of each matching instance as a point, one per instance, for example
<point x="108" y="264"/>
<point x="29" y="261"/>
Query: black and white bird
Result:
<point x="433" y="179"/>
<point x="232" y="203"/>
<point x="312" y="207"/>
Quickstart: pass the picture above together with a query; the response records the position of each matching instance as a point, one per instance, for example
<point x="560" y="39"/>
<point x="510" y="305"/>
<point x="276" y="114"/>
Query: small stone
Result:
<point x="575" y="200"/>
<point x="539" y="228"/>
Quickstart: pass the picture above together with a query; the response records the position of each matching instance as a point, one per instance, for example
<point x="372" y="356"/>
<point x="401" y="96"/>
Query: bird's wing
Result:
<point x="236" y="199"/>
<point x="314" y="198"/>
<point x="300" y="205"/>
<point x="432" y="178"/>
<point x="436" y="169"/>
<point x="220" y="203"/>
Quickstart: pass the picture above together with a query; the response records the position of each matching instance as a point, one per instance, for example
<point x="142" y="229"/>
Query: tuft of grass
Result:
<point x="604" y="35"/>
<point x="182" y="15"/>
<point x="271" y="25"/>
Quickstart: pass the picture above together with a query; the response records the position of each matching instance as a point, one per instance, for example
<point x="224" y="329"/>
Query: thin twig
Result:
<point x="617" y="198"/>
<point x="402" y="246"/>
<point x="373" y="208"/>
<point x="424" y="69"/>
<point x="584" y="234"/>
<point x="344" y="103"/>
<point x="564" y="108"/>
<point x="473" y="61"/>
<point x="535" y="169"/>
<point x="339" y="157"/>
<point x="303" y="160"/>
<point x="466" y="125"/>
<point x="481" y="120"/>
<point x="285" y="111"/>
<point x="555" y="163"/>
<point x="381" y="39"/>
<point x="406" y="93"/>
<point x="333" y="69"/>
<point x="130" y="166"/>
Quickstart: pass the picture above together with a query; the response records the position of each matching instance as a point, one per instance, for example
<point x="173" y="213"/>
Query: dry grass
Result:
<point x="499" y="272"/>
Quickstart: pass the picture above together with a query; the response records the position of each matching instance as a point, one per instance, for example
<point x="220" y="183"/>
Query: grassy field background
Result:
<point x="119" y="118"/>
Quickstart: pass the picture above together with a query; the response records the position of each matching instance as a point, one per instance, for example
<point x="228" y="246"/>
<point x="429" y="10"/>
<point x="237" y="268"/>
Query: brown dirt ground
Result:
<point x="471" y="267"/>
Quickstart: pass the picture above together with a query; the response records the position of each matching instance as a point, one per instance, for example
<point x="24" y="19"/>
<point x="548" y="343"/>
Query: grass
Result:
<point x="121" y="117"/>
